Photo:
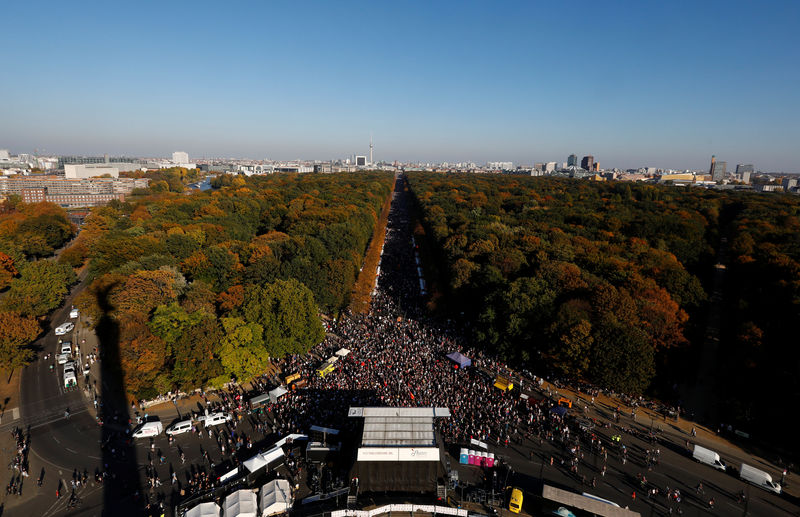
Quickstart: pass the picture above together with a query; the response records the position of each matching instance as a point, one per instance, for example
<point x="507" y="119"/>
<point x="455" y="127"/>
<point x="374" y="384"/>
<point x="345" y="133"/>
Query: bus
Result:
<point x="325" y="369"/>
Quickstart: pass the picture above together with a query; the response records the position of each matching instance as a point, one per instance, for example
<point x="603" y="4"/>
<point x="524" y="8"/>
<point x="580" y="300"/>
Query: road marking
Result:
<point x="70" y="450"/>
<point x="56" y="440"/>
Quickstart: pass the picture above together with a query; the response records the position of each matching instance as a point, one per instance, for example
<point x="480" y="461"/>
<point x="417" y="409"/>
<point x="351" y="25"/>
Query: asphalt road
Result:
<point x="676" y="469"/>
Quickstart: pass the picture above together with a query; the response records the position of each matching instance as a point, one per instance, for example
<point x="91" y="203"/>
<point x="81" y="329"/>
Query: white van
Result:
<point x="215" y="418"/>
<point x="148" y="429"/>
<point x="179" y="427"/>
<point x="708" y="457"/>
<point x="759" y="478"/>
<point x="64" y="328"/>
<point x="66" y="347"/>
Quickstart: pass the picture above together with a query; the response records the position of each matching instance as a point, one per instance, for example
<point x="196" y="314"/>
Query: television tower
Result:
<point x="370" y="149"/>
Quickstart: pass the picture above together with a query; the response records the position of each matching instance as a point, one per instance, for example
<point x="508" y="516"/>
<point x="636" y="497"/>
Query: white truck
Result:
<point x="69" y="375"/>
<point x="758" y="478"/>
<point x="148" y="429"/>
<point x="707" y="456"/>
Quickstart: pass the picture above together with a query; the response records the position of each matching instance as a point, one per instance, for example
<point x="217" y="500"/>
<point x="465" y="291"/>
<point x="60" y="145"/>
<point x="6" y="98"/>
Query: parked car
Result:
<point x="181" y="427"/>
<point x="73" y="313"/>
<point x="215" y="418"/>
<point x="62" y="358"/>
<point x="64" y="328"/>
<point x="707" y="456"/>
<point x="759" y="478"/>
<point x="148" y="429"/>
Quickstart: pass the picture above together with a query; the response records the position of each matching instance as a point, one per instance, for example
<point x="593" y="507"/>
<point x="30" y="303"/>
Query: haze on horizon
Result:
<point x="634" y="84"/>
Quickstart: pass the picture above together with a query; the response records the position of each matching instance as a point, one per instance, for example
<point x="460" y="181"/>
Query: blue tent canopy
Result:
<point x="460" y="359"/>
<point x="558" y="410"/>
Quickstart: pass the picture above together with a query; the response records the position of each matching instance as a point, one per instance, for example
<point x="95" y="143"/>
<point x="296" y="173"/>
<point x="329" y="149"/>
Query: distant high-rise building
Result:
<point x="587" y="162"/>
<point x="180" y="157"/>
<point x="743" y="172"/>
<point x="550" y="167"/>
<point x="572" y="160"/>
<point x="596" y="167"/>
<point x="717" y="169"/>
<point x="361" y="161"/>
<point x="503" y="166"/>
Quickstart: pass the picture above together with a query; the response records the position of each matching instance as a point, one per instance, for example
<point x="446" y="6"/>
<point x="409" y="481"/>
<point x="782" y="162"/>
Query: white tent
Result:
<point x="272" y="457"/>
<point x="276" y="497"/>
<point x="277" y="393"/>
<point x="242" y="503"/>
<point x="255" y="463"/>
<point x="342" y="352"/>
<point x="205" y="510"/>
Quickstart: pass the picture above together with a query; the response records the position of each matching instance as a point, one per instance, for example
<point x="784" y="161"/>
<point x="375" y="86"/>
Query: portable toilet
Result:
<point x="490" y="460"/>
<point x="471" y="454"/>
<point x="463" y="456"/>
<point x="484" y="458"/>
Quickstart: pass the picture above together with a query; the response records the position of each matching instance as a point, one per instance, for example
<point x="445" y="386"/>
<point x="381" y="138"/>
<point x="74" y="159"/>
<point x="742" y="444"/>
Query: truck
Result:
<point x="707" y="456"/>
<point x="151" y="427"/>
<point x="759" y="478"/>
<point x="69" y="375"/>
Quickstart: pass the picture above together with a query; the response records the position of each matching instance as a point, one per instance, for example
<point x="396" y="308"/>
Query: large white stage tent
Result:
<point x="205" y="510"/>
<point x="242" y="503"/>
<point x="276" y="497"/>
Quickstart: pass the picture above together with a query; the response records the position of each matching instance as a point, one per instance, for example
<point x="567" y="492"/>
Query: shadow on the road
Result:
<point x="122" y="494"/>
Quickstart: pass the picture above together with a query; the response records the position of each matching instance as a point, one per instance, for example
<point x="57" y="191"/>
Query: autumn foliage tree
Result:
<point x="16" y="333"/>
<point x="218" y="283"/>
<point x="556" y="278"/>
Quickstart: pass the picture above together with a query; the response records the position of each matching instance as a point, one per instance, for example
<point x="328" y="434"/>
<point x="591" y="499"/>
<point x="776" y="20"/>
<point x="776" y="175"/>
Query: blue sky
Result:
<point x="663" y="84"/>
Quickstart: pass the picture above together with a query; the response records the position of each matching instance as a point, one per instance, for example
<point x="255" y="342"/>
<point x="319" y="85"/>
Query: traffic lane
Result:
<point x="620" y="481"/>
<point x="682" y="471"/>
<point x="43" y="402"/>
<point x="38" y="381"/>
<point x="69" y="443"/>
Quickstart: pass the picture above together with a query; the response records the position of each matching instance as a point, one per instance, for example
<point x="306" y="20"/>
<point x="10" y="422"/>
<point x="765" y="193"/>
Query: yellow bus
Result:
<point x="503" y="383"/>
<point x="291" y="378"/>
<point x="325" y="369"/>
<point x="515" y="502"/>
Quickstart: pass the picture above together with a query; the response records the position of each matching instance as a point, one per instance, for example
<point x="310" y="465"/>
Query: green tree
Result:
<point x="170" y="322"/>
<point x="196" y="353"/>
<point x="242" y="351"/>
<point x="286" y="311"/>
<point x="623" y="359"/>
<point x="39" y="289"/>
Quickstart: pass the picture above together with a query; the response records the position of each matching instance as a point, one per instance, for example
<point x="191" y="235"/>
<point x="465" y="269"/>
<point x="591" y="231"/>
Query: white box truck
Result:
<point x="708" y="457"/>
<point x="759" y="478"/>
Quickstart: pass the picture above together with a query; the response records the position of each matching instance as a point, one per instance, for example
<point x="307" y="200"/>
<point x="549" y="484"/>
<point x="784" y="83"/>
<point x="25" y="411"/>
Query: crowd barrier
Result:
<point x="407" y="508"/>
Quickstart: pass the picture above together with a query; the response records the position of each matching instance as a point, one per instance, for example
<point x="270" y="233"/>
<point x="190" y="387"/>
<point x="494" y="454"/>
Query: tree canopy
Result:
<point x="252" y="263"/>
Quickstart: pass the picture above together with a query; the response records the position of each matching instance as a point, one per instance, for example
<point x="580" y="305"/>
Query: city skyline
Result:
<point x="648" y="85"/>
